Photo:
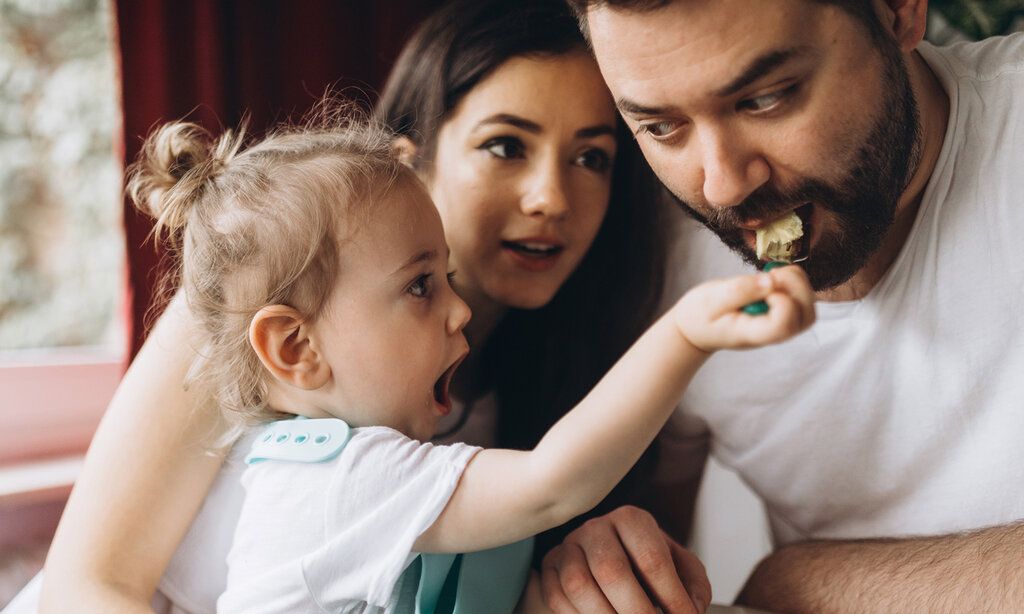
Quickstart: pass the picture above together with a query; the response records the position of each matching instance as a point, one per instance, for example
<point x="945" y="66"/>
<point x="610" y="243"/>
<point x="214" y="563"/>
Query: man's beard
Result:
<point x="862" y="203"/>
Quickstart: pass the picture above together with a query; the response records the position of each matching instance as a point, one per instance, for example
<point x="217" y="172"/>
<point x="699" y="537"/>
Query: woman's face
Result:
<point x="521" y="177"/>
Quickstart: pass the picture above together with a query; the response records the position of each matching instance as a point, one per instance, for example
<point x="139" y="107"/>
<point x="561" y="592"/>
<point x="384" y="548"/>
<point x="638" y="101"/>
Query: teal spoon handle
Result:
<point x="760" y="307"/>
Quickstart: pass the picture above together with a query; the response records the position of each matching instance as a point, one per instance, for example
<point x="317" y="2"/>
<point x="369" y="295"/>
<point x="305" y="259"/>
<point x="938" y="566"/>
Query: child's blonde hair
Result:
<point x="256" y="226"/>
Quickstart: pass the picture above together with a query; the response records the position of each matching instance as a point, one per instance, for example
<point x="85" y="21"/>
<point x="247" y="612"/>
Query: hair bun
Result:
<point x="173" y="170"/>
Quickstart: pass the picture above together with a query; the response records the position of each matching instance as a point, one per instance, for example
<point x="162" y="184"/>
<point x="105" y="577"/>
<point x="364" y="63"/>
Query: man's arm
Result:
<point x="981" y="571"/>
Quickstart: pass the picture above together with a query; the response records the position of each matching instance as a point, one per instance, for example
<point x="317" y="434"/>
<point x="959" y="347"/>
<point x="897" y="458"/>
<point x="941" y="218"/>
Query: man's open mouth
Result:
<point x="801" y="246"/>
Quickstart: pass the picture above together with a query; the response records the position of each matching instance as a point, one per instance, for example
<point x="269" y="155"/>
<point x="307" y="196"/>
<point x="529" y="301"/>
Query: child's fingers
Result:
<point x="729" y="295"/>
<point x="785" y="314"/>
<point x="782" y="319"/>
<point x="793" y="280"/>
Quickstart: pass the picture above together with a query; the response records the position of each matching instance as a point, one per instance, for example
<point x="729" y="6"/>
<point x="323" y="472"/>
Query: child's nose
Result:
<point x="459" y="315"/>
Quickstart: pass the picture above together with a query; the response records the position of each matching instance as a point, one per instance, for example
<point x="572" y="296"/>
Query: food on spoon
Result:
<point x="779" y="241"/>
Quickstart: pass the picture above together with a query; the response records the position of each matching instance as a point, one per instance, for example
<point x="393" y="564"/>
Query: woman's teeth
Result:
<point x="533" y="249"/>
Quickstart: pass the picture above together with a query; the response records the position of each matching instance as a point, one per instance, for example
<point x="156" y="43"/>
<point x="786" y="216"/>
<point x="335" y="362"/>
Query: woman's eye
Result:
<point x="451" y="277"/>
<point x="595" y="159"/>
<point x="660" y="129"/>
<point x="505" y="147"/>
<point x="420" y="288"/>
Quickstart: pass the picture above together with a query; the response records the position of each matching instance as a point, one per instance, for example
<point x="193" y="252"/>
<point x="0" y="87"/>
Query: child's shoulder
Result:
<point x="323" y="440"/>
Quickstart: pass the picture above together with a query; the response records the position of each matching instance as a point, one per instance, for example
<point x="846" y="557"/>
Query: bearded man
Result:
<point x="886" y="442"/>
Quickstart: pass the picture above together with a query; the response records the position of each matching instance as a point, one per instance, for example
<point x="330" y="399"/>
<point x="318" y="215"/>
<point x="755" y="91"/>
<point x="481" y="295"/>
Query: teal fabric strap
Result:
<point x="300" y="440"/>
<point x="486" y="581"/>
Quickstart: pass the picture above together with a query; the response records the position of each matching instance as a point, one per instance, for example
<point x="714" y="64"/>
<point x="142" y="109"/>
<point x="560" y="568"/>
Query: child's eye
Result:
<point x="451" y="277"/>
<point x="420" y="287"/>
<point x="504" y="147"/>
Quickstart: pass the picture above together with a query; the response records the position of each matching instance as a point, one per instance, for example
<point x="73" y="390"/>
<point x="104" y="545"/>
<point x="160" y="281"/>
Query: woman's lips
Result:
<point x="534" y="255"/>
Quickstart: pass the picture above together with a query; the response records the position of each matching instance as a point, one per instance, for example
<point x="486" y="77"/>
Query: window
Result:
<point x="62" y="335"/>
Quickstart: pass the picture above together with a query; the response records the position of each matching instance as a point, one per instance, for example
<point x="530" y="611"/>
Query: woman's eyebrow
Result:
<point x="592" y="131"/>
<point x="511" y="120"/>
<point x="535" y="128"/>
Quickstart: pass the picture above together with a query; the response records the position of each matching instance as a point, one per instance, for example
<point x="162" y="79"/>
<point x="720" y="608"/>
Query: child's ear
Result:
<point x="280" y="336"/>
<point x="405" y="149"/>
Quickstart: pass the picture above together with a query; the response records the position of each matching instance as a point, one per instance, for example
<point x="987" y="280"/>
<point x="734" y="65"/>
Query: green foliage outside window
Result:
<point x="980" y="18"/>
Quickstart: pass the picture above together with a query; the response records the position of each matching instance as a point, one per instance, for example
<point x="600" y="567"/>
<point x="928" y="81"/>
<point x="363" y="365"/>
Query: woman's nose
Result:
<point x="732" y="170"/>
<point x="545" y="192"/>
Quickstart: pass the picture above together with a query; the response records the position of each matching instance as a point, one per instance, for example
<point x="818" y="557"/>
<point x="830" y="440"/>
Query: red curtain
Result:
<point x="215" y="60"/>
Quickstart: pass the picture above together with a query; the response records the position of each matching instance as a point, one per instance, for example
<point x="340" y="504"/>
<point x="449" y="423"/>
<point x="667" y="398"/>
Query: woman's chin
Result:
<point x="533" y="297"/>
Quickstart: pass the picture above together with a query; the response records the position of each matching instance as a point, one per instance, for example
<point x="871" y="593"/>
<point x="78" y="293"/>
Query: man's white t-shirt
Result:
<point x="901" y="413"/>
<point x="335" y="536"/>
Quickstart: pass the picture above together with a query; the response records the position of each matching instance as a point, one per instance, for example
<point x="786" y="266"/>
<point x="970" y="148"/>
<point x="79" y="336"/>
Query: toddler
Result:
<point x="317" y="265"/>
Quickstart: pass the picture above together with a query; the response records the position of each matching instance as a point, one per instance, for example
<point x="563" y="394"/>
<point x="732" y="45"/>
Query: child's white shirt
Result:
<point x="335" y="536"/>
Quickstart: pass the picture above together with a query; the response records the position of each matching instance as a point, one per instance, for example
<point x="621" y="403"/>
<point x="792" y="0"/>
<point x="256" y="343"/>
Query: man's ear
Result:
<point x="281" y="339"/>
<point x="906" y="20"/>
<point x="406" y="150"/>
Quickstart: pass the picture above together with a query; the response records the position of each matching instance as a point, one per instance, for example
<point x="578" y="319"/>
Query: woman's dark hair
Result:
<point x="539" y="362"/>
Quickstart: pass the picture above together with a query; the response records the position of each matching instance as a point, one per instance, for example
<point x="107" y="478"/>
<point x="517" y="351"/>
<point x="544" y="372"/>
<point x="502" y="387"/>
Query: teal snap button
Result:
<point x="315" y="440"/>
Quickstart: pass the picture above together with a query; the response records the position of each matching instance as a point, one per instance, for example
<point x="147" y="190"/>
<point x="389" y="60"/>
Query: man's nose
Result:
<point x="732" y="169"/>
<point x="545" y="191"/>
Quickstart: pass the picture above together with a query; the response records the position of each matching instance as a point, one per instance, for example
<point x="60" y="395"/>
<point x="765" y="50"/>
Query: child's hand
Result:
<point x="710" y="315"/>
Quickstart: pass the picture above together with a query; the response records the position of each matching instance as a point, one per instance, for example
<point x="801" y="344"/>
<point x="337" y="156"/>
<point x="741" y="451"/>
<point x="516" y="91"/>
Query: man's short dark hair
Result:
<point x="861" y="10"/>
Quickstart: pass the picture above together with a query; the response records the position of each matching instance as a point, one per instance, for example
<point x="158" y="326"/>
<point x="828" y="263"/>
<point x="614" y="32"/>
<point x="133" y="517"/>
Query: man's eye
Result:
<point x="595" y="159"/>
<point x="660" y="129"/>
<point x="505" y="147"/>
<point x="767" y="101"/>
<point x="420" y="288"/>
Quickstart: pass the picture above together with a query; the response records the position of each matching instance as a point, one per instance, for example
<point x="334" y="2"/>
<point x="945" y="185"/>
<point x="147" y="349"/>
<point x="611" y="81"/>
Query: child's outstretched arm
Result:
<point x="508" y="495"/>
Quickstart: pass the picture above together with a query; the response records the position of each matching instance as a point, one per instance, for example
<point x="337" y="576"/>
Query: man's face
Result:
<point x="750" y="109"/>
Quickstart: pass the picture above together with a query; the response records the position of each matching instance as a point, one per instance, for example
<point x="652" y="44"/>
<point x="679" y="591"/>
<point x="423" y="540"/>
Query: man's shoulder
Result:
<point x="983" y="60"/>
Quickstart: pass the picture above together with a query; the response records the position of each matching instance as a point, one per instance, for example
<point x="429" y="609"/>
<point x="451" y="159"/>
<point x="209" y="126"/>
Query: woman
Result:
<point x="552" y="225"/>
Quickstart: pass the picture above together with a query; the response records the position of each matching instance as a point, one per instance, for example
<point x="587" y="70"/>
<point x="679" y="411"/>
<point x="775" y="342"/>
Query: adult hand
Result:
<point x="623" y="562"/>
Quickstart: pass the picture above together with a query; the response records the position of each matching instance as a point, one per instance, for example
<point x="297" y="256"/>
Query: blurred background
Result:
<point x="80" y="82"/>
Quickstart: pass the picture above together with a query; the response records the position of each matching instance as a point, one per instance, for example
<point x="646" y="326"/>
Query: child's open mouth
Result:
<point x="442" y="388"/>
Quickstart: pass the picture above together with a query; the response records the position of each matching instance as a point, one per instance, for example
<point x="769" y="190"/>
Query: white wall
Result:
<point x="730" y="533"/>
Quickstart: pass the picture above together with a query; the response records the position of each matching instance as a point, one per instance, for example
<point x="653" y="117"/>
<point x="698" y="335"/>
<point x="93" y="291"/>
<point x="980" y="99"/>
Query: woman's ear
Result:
<point x="281" y="339"/>
<point x="405" y="150"/>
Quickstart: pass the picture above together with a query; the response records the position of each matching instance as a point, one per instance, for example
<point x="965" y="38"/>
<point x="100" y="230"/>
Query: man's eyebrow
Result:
<point x="754" y="71"/>
<point x="628" y="107"/>
<point x="761" y="67"/>
<point x="423" y="256"/>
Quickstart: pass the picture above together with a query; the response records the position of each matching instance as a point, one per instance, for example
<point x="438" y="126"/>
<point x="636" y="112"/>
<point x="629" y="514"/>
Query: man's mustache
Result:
<point x="766" y="203"/>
